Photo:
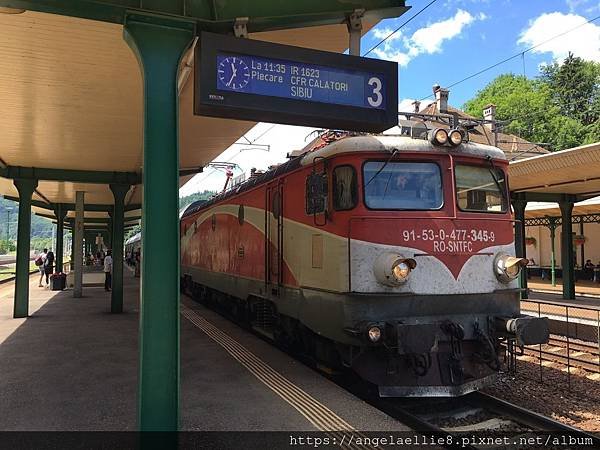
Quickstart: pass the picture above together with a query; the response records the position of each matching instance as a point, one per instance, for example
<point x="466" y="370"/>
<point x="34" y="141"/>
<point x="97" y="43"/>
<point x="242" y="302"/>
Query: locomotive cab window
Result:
<point x="402" y="185"/>
<point x="480" y="189"/>
<point x="316" y="193"/>
<point x="345" y="188"/>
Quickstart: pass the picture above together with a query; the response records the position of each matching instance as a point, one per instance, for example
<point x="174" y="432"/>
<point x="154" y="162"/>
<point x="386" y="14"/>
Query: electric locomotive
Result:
<point x="392" y="255"/>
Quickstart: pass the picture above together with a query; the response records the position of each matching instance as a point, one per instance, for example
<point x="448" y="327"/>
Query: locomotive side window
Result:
<point x="480" y="189"/>
<point x="402" y="185"/>
<point x="316" y="193"/>
<point x="345" y="190"/>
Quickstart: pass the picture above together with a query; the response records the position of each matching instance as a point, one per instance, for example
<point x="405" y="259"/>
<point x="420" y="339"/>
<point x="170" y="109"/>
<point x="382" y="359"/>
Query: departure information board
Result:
<point x="298" y="81"/>
<point x="253" y="80"/>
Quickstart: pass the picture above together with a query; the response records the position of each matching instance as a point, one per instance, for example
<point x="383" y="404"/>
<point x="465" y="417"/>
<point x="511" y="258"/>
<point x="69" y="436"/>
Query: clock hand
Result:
<point x="231" y="79"/>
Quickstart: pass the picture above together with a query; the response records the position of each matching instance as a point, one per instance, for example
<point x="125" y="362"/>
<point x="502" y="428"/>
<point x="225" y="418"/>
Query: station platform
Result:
<point x="72" y="365"/>
<point x="583" y="288"/>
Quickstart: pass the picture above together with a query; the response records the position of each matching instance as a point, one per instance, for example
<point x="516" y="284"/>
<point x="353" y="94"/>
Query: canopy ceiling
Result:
<point x="71" y="98"/>
<point x="575" y="171"/>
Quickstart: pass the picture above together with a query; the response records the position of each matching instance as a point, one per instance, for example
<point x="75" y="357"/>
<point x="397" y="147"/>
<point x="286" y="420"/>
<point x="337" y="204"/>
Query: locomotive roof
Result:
<point x="369" y="143"/>
<point x="390" y="143"/>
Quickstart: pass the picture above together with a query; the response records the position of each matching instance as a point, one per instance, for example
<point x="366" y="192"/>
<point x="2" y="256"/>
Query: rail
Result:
<point x="574" y="345"/>
<point x="476" y="414"/>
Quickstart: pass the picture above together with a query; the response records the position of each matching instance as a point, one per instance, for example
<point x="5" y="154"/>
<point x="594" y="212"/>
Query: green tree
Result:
<point x="189" y="199"/>
<point x="561" y="107"/>
<point x="575" y="88"/>
<point x="525" y="106"/>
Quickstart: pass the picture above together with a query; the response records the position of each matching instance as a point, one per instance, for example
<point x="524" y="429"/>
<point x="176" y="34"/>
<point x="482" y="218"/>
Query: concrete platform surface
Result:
<point x="72" y="365"/>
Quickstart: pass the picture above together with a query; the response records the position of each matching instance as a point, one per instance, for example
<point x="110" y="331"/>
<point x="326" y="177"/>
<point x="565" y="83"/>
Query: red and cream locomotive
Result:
<point x="389" y="254"/>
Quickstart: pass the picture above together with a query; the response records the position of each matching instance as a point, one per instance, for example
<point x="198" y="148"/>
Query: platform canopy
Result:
<point x="71" y="88"/>
<point x="574" y="172"/>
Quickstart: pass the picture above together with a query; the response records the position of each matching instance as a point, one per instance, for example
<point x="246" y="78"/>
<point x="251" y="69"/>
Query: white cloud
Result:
<point x="427" y="40"/>
<point x="583" y="42"/>
<point x="406" y="105"/>
<point x="281" y="138"/>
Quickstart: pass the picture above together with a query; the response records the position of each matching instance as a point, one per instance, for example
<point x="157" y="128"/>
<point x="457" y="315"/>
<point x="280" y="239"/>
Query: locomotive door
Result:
<point x="274" y="237"/>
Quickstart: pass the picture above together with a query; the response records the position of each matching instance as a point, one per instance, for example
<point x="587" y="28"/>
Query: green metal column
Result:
<point x="60" y="212"/>
<point x="118" y="237"/>
<point x="21" y="305"/>
<point x="582" y="245"/>
<point x="568" y="263"/>
<point x="159" y="45"/>
<point x="72" y="225"/>
<point x="552" y="227"/>
<point x="519" y="208"/>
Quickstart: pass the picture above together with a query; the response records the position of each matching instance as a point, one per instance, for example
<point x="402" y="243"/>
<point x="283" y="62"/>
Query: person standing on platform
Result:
<point x="40" y="262"/>
<point x="49" y="266"/>
<point x="108" y="265"/>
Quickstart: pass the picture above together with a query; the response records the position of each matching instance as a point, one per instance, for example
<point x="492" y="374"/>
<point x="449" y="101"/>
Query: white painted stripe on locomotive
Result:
<point x="431" y="276"/>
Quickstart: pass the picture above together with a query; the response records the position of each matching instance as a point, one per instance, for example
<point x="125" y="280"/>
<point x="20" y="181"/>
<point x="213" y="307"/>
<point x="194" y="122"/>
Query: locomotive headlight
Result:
<point x="455" y="137"/>
<point x="401" y="271"/>
<point x="374" y="334"/>
<point x="393" y="269"/>
<point x="439" y="136"/>
<point x="507" y="268"/>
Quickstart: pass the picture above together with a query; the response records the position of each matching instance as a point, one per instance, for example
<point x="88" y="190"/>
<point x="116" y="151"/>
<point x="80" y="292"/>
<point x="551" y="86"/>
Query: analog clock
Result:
<point x="234" y="73"/>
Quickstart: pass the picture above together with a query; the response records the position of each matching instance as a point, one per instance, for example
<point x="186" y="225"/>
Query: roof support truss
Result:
<point x="219" y="16"/>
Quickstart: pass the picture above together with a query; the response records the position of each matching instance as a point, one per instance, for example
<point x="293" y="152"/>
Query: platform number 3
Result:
<point x="376" y="98"/>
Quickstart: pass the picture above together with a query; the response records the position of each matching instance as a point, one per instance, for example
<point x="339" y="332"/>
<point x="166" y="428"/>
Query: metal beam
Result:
<point x="71" y="206"/>
<point x="74" y="176"/>
<point x="220" y="15"/>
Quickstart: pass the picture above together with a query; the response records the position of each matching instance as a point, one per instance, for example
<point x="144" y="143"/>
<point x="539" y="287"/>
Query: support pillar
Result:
<point x="117" y="241"/>
<point x="21" y="305"/>
<point x="72" y="225"/>
<point x="159" y="47"/>
<point x="568" y="262"/>
<point x="78" y="245"/>
<point x="60" y="212"/>
<point x="552" y="227"/>
<point x="582" y="245"/>
<point x="519" y="208"/>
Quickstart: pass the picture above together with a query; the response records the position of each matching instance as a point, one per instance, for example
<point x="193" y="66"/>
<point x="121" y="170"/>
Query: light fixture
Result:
<point x="439" y="136"/>
<point x="374" y="333"/>
<point x="392" y="269"/>
<point x="455" y="137"/>
<point x="507" y="268"/>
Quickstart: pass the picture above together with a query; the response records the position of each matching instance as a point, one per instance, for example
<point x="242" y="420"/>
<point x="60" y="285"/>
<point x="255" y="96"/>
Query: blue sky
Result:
<point x="449" y="41"/>
<point x="453" y="39"/>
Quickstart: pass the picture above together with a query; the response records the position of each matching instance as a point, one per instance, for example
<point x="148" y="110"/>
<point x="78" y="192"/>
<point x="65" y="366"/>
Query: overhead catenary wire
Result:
<point x="400" y="27"/>
<point x="515" y="55"/>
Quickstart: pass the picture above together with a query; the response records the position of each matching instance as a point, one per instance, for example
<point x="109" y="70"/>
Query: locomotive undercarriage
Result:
<point x="440" y="354"/>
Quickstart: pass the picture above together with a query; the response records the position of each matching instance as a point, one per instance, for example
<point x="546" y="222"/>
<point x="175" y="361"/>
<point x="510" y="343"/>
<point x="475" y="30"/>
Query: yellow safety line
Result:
<point x="315" y="412"/>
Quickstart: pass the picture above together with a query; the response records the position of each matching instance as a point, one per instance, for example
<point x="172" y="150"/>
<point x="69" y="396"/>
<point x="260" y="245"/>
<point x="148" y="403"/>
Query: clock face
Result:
<point x="234" y="73"/>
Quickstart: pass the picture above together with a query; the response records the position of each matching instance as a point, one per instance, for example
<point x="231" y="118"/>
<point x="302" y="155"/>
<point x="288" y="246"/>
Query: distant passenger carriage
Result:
<point x="387" y="254"/>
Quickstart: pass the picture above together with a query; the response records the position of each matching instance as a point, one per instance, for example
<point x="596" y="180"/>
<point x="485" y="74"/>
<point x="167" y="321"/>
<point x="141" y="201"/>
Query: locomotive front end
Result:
<point x="433" y="273"/>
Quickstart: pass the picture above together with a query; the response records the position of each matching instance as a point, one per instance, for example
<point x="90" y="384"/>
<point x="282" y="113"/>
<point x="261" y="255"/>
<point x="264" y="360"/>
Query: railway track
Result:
<point x="456" y="420"/>
<point x="500" y="424"/>
<point x="576" y="354"/>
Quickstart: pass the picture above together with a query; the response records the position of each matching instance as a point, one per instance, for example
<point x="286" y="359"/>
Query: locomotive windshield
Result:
<point x="402" y="185"/>
<point x="478" y="191"/>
